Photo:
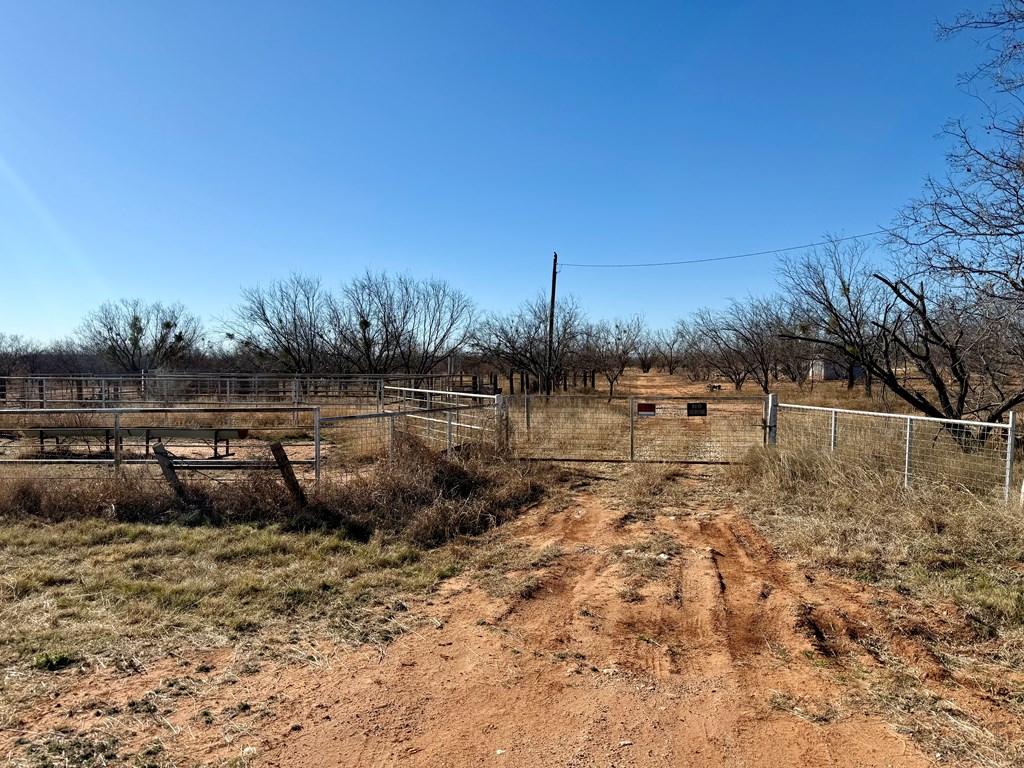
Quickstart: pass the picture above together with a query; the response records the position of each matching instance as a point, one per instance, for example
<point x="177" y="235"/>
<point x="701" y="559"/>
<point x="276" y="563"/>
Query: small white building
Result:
<point x="830" y="370"/>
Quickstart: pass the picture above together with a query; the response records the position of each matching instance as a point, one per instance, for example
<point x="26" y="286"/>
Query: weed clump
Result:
<point x="425" y="497"/>
<point x="53" y="661"/>
<point x="418" y="494"/>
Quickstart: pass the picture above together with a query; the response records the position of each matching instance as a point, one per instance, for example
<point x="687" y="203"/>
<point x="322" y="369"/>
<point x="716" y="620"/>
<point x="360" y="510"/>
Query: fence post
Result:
<point x="832" y="437"/>
<point x="527" y="414"/>
<point x="287" y="473"/>
<point x="117" y="439"/>
<point x="499" y="429"/>
<point x="1011" y="444"/>
<point x="771" y="419"/>
<point x="316" y="442"/>
<point x="167" y="467"/>
<point x="906" y="461"/>
<point x="380" y="395"/>
<point x="449" y="431"/>
<point x="632" y="429"/>
<point x="391" y="434"/>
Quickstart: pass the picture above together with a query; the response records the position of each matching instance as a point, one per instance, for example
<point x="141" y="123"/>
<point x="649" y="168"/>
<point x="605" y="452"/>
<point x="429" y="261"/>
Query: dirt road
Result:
<point x="680" y="640"/>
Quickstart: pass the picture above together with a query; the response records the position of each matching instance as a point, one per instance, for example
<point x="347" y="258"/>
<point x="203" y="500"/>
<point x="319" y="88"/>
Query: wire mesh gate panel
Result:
<point x="711" y="430"/>
<point x="714" y="430"/>
<point x="975" y="455"/>
<point x="569" y="427"/>
<point x="354" y="440"/>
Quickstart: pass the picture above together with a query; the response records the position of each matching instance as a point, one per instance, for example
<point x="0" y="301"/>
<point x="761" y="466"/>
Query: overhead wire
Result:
<point x="721" y="258"/>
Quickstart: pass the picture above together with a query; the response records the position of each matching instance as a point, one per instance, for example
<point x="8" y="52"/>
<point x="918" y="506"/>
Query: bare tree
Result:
<point x="517" y="341"/>
<point x="949" y="351"/>
<point x="383" y="324"/>
<point x="842" y="305"/>
<point x="750" y="333"/>
<point x="18" y="354"/>
<point x="368" y="321"/>
<point x="696" y="355"/>
<point x="440" y="322"/>
<point x="793" y="357"/>
<point x="281" y="325"/>
<point x="646" y="346"/>
<point x="968" y="224"/>
<point x="611" y="346"/>
<point x="719" y="347"/>
<point x="136" y="336"/>
<point x="669" y="346"/>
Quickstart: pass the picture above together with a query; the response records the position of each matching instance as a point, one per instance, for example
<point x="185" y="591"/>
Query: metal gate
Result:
<point x="713" y="430"/>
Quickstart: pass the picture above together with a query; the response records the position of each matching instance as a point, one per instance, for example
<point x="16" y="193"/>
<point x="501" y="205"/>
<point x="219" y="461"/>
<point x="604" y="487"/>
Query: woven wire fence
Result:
<point x="712" y="430"/>
<point x="349" y="441"/>
<point x="978" y="456"/>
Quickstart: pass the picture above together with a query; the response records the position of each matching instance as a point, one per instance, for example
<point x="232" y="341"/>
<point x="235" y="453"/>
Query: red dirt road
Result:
<point x="716" y="664"/>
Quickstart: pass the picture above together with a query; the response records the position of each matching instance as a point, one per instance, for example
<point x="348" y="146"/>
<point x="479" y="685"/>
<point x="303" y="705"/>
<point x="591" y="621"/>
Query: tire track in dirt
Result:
<point x="688" y="671"/>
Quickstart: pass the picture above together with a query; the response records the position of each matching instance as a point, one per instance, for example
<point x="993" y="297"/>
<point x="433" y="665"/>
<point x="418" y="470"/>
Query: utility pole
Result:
<point x="551" y="324"/>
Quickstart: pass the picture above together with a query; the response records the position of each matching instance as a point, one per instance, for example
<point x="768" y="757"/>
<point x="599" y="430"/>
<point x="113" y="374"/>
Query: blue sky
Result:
<point x="179" y="151"/>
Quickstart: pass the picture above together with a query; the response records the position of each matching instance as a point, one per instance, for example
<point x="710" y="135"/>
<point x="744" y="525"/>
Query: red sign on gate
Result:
<point x="646" y="409"/>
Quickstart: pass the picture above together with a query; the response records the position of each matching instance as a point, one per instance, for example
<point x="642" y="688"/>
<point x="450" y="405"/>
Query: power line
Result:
<point x="723" y="258"/>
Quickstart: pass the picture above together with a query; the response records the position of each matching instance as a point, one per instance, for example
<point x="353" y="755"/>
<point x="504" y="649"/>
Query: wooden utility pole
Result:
<point x="551" y="324"/>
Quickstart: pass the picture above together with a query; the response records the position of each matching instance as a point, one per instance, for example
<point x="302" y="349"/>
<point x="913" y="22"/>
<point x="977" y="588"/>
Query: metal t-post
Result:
<point x="316" y="443"/>
<point x="632" y="429"/>
<point x="771" y="419"/>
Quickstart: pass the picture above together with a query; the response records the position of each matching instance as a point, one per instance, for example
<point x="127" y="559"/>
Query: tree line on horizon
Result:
<point x="935" y="316"/>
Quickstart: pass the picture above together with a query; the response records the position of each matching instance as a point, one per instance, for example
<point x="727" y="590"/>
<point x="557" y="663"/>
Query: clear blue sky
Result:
<point x="179" y="151"/>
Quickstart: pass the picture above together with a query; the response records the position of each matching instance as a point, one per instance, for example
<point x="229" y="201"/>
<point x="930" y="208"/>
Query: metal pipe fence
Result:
<point x="220" y="389"/>
<point x="349" y="440"/>
<point x="978" y="456"/>
<point x="80" y="444"/>
<point x="87" y="444"/>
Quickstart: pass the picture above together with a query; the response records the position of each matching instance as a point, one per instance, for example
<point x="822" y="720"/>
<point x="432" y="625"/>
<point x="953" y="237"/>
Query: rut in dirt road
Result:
<point x="676" y="640"/>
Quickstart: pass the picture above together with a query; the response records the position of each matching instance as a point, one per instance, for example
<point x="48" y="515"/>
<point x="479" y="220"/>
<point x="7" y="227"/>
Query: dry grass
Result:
<point x="647" y="559"/>
<point x="115" y="565"/>
<point x="957" y="557"/>
<point x="937" y="542"/>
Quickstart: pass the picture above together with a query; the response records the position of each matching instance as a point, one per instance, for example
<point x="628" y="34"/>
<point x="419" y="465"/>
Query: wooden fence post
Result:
<point x="164" y="460"/>
<point x="290" y="481"/>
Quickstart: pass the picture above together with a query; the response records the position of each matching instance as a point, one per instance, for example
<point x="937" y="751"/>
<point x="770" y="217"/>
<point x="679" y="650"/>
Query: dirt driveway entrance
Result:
<point x="628" y="640"/>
